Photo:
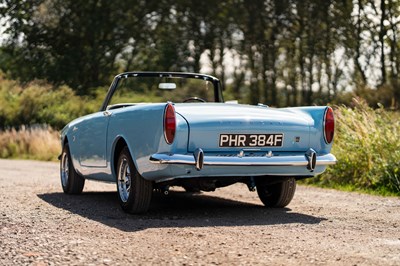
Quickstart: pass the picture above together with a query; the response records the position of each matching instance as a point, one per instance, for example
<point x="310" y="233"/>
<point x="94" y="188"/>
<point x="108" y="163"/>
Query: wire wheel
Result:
<point x="134" y="192"/>
<point x="64" y="171"/>
<point x="71" y="181"/>
<point x="124" y="180"/>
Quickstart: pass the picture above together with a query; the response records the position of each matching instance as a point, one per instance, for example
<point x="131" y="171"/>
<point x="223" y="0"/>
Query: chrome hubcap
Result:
<point x="64" y="169"/>
<point x="124" y="180"/>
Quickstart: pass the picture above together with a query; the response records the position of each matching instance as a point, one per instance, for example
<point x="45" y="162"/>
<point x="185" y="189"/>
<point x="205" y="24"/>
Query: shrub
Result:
<point x="40" y="103"/>
<point x="367" y="147"/>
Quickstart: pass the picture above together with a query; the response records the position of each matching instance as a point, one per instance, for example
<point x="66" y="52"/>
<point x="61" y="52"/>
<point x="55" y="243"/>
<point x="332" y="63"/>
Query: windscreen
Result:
<point x="162" y="89"/>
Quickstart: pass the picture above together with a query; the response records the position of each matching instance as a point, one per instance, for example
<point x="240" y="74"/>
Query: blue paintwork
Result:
<point x="93" y="138"/>
<point x="198" y="125"/>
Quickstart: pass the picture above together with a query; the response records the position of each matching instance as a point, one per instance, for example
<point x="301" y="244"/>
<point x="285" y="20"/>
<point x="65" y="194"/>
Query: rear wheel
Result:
<point x="134" y="192"/>
<point x="71" y="181"/>
<point x="277" y="195"/>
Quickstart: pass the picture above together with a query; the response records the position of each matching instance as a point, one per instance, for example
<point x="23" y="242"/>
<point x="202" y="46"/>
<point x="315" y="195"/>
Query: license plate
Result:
<point x="250" y="140"/>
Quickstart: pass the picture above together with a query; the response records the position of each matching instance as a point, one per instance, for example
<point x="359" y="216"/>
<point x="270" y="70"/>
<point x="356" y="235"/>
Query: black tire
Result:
<point x="71" y="181"/>
<point x="134" y="192"/>
<point x="277" y="195"/>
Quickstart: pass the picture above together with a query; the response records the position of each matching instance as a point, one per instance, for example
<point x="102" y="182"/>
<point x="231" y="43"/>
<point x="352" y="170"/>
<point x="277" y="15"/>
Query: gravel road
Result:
<point x="39" y="225"/>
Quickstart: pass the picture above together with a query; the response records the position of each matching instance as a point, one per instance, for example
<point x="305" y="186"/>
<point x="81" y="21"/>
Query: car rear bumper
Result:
<point x="309" y="159"/>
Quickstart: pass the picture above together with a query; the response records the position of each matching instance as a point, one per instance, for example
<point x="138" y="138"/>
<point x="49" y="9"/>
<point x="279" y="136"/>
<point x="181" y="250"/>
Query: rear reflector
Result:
<point x="329" y="125"/>
<point x="169" y="123"/>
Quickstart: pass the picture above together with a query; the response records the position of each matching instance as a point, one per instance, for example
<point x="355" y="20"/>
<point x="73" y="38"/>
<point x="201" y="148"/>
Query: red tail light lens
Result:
<point x="169" y="123"/>
<point x="329" y="125"/>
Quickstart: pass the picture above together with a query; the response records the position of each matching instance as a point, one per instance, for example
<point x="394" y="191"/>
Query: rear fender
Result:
<point x="316" y="113"/>
<point x="142" y="129"/>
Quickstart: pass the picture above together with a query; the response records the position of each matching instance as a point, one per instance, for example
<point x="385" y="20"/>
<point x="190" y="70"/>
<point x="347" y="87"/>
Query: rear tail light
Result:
<point x="169" y="123"/>
<point x="329" y="125"/>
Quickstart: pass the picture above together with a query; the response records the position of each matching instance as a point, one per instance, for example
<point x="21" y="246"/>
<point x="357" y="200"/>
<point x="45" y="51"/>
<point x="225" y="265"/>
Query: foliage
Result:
<point x="72" y="42"/>
<point x="40" y="103"/>
<point x="375" y="98"/>
<point x="281" y="53"/>
<point x="367" y="148"/>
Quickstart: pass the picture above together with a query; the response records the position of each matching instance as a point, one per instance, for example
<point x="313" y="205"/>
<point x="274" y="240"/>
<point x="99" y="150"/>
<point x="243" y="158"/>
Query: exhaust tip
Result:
<point x="311" y="156"/>
<point x="199" y="159"/>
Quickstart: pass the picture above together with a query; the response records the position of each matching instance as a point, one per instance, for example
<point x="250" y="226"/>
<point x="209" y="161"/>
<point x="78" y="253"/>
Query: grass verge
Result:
<point x="367" y="148"/>
<point x="35" y="143"/>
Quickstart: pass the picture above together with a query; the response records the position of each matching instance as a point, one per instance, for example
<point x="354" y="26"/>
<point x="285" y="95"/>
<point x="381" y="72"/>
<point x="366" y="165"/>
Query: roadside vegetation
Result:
<point x="35" y="143"/>
<point x="367" y="148"/>
<point x="40" y="103"/>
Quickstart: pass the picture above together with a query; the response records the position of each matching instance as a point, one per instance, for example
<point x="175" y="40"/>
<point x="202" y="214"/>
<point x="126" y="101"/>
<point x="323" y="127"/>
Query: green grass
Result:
<point x="367" y="148"/>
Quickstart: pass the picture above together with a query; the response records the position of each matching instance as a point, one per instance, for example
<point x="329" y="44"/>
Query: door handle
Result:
<point x="107" y="113"/>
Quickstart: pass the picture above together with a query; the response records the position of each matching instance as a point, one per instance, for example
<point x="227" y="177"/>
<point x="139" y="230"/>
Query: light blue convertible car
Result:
<point x="161" y="129"/>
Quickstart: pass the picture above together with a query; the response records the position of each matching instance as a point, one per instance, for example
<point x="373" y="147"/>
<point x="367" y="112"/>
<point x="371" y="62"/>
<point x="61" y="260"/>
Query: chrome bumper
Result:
<point x="198" y="159"/>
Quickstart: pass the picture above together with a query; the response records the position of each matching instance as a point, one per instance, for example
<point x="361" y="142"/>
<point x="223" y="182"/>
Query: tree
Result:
<point x="278" y="52"/>
<point x="72" y="42"/>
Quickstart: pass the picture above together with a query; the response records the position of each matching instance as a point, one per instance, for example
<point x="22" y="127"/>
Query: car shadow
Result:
<point x="178" y="209"/>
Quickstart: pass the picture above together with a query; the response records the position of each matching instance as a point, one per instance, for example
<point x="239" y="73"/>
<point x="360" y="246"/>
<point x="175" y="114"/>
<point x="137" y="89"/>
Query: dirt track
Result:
<point x="39" y="225"/>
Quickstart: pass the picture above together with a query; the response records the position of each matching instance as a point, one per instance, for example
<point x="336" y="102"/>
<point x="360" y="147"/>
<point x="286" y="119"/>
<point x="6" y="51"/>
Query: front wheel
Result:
<point x="277" y="195"/>
<point x="134" y="192"/>
<point x="71" y="181"/>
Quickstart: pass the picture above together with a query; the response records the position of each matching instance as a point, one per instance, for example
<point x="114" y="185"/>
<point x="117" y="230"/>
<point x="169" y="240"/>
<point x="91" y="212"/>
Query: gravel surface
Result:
<point x="39" y="225"/>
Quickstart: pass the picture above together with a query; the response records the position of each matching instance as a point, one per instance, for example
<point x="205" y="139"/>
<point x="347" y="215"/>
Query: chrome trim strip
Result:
<point x="292" y="160"/>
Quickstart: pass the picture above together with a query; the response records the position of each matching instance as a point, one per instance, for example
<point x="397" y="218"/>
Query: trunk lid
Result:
<point x="208" y="121"/>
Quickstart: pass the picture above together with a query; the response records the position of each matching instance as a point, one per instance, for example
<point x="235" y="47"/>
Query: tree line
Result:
<point x="277" y="52"/>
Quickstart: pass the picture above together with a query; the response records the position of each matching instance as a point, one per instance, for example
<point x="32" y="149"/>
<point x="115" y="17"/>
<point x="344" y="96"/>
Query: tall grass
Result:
<point x="36" y="143"/>
<point x="367" y="147"/>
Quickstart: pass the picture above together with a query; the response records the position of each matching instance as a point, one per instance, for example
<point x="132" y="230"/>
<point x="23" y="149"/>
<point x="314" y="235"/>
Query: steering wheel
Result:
<point x="198" y="99"/>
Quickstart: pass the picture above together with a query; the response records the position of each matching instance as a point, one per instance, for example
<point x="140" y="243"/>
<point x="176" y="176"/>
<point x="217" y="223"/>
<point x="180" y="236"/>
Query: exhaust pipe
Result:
<point x="199" y="159"/>
<point x="311" y="156"/>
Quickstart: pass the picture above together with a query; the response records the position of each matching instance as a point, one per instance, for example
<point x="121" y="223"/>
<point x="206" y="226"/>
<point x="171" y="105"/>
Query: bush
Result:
<point x="367" y="147"/>
<point x="40" y="103"/>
